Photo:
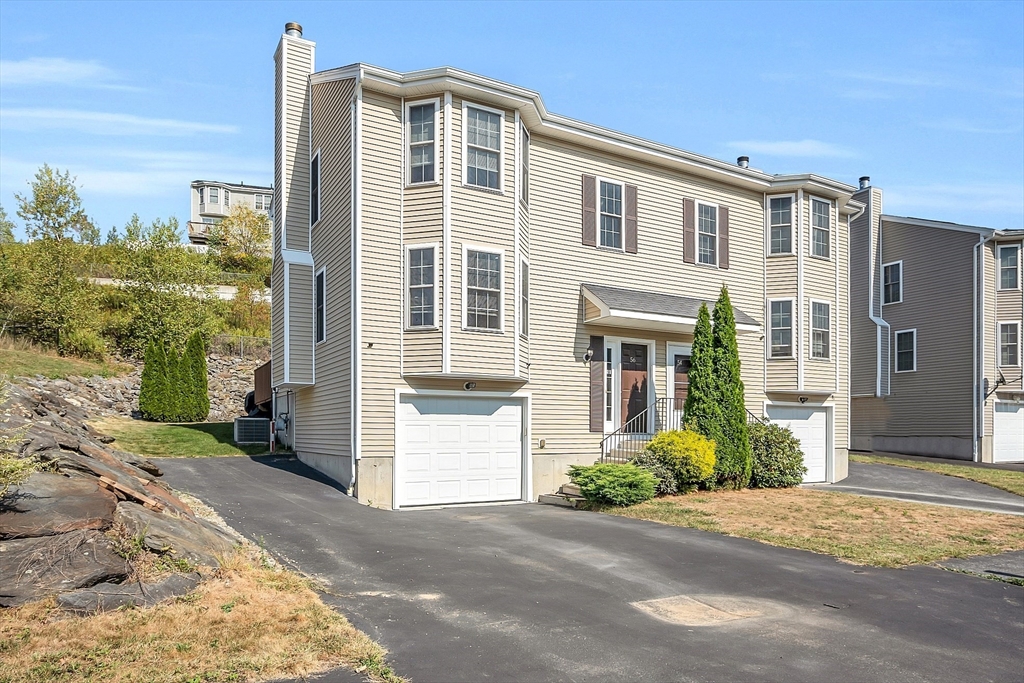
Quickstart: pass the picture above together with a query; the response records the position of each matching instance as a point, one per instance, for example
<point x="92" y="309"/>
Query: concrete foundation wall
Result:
<point x="935" y="446"/>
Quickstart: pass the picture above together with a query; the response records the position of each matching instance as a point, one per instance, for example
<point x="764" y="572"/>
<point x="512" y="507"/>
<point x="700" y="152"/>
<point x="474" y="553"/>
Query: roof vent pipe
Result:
<point x="743" y="162"/>
<point x="292" y="29"/>
<point x="865" y="182"/>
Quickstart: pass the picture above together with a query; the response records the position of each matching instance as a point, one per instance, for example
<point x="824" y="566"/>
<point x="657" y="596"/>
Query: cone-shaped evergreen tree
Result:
<point x="153" y="385"/>
<point x="702" y="410"/>
<point x="733" y="458"/>
<point x="198" y="389"/>
<point x="175" y="397"/>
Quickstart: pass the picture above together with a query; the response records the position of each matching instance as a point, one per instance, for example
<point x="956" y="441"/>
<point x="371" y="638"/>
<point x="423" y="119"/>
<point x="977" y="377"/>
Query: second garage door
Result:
<point x="810" y="426"/>
<point x="1008" y="432"/>
<point x="459" y="450"/>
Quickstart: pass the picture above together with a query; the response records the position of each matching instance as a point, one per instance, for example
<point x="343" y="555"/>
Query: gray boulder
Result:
<point x="181" y="537"/>
<point x="49" y="503"/>
<point x="104" y="597"/>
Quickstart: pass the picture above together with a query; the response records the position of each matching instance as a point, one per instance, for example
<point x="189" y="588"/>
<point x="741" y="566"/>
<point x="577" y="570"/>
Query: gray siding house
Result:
<point x="936" y="322"/>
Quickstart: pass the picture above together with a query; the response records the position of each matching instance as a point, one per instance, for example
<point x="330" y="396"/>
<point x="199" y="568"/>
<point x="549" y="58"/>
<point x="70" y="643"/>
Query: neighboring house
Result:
<point x="212" y="201"/>
<point x="471" y="293"/>
<point x="936" y="322"/>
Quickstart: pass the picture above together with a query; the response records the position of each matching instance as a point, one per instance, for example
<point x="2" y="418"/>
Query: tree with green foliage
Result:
<point x="732" y="453"/>
<point x="703" y="409"/>
<point x="198" y="387"/>
<point x="6" y="228"/>
<point x="241" y="242"/>
<point x="54" y="210"/>
<point x="153" y="385"/>
<point x="176" y="397"/>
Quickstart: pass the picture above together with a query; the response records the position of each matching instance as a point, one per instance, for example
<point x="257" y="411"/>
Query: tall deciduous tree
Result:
<point x="6" y="228"/>
<point x="733" y="459"/>
<point x="53" y="210"/>
<point x="241" y="242"/>
<point x="703" y="410"/>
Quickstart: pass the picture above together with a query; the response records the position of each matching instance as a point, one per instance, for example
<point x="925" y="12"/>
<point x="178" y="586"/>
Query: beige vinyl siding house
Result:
<point x="506" y="289"/>
<point x="938" y="291"/>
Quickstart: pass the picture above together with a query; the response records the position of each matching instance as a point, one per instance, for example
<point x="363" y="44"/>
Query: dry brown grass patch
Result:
<point x="874" y="531"/>
<point x="250" y="622"/>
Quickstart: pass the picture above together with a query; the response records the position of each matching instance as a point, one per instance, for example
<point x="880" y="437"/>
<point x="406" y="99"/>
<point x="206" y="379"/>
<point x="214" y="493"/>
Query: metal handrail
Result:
<point x="632" y="437"/>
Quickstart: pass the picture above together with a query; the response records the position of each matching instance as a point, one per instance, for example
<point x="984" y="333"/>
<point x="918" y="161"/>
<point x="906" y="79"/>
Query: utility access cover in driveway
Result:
<point x="703" y="610"/>
<point x="539" y="593"/>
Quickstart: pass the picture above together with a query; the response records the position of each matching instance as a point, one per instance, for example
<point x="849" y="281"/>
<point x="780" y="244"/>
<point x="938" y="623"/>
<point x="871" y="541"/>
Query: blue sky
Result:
<point x="138" y="99"/>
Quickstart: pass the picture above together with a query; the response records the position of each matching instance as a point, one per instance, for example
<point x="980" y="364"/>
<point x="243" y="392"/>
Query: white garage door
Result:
<point x="810" y="425"/>
<point x="459" y="450"/>
<point x="1008" y="432"/>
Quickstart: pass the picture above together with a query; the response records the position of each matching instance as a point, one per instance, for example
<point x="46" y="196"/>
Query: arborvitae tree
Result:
<point x="153" y="386"/>
<point x="733" y="458"/>
<point x="703" y="410"/>
<point x="195" y="362"/>
<point x="176" y="395"/>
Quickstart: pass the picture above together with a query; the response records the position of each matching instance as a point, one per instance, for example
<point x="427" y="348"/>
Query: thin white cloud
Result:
<point x="934" y="199"/>
<point x="792" y="148"/>
<point x="905" y="80"/>
<point x="103" y="123"/>
<point x="50" y="71"/>
<point x="1000" y="83"/>
<point x="965" y="126"/>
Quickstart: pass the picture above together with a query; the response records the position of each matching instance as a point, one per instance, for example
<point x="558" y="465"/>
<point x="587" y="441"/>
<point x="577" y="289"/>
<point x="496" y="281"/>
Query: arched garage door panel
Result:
<point x="459" y="450"/>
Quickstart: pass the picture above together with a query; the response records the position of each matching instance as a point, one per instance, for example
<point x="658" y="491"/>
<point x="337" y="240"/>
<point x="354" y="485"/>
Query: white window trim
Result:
<point x="466" y="106"/>
<point x="466" y="248"/>
<point x="524" y="267"/>
<point x="811" y="328"/>
<point x="884" y="266"/>
<point x="316" y="274"/>
<point x="227" y="198"/>
<point x="407" y="132"/>
<point x="696" y="231"/>
<point x="811" y="229"/>
<point x="622" y="218"/>
<point x="524" y="153"/>
<point x="895" y="347"/>
<point x="999" y="266"/>
<point x="320" y="186"/>
<point x="999" y="343"/>
<point x="792" y="329"/>
<point x="406" y="285"/>
<point x="209" y="198"/>
<point x="792" y="226"/>
<point x="615" y="343"/>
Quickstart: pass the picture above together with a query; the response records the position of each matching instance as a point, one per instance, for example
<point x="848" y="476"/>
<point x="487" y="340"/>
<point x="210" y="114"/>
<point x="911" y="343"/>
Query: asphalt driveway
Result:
<point x="539" y="593"/>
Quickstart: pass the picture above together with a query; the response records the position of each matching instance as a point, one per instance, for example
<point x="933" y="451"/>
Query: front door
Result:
<point x="634" y="387"/>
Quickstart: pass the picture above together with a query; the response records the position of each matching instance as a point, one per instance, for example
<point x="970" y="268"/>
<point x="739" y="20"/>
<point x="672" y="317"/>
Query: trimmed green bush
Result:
<point x="610" y="484"/>
<point x="689" y="455"/>
<point x="194" y="362"/>
<point x="174" y="386"/>
<point x="153" y="384"/>
<point x="667" y="484"/>
<point x="778" y="460"/>
<point x="732" y="452"/>
<point x="703" y="409"/>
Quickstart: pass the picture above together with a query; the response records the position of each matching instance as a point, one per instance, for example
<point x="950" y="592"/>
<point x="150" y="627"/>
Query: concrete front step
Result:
<point x="560" y="500"/>
<point x="571" y="490"/>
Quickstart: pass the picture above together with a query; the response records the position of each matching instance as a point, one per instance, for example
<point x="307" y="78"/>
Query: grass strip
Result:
<point x="29" y="363"/>
<point x="157" y="440"/>
<point x="1007" y="480"/>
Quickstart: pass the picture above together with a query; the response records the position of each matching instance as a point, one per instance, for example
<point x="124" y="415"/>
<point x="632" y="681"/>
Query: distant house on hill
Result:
<point x="212" y="201"/>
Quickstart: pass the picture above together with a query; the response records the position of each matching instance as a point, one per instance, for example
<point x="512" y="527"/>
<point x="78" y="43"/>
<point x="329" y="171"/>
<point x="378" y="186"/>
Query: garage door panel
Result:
<point x="448" y="433"/>
<point x="418" y="462"/>
<point x="810" y="426"/>
<point x="1008" y="432"/>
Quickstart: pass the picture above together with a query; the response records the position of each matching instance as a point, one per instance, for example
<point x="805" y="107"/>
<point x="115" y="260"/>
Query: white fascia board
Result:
<point x="302" y="258"/>
<point x="942" y="225"/>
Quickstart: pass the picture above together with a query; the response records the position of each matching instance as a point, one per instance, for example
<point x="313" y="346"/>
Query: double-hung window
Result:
<point x="483" y="290"/>
<point x="1009" y="267"/>
<point x="892" y="282"/>
<point x="821" y="228"/>
<point x="422" y="142"/>
<point x="421" y="286"/>
<point x="1009" y="344"/>
<point x="524" y="299"/>
<point x="821" y="330"/>
<point x="782" y="329"/>
<point x="707" y="234"/>
<point x="320" y="295"/>
<point x="780" y="220"/>
<point x="258" y="202"/>
<point x="314" y="189"/>
<point x="227" y="198"/>
<point x="524" y="163"/>
<point x="483" y="148"/>
<point x="201" y="195"/>
<point x="214" y="195"/>
<point x="611" y="215"/>
<point x="906" y="351"/>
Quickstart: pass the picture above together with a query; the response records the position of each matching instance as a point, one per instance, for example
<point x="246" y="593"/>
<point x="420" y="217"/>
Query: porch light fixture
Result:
<point x="469" y="386"/>
<point x="588" y="355"/>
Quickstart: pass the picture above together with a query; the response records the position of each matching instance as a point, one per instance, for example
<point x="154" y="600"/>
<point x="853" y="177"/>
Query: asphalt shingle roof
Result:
<point x="662" y="304"/>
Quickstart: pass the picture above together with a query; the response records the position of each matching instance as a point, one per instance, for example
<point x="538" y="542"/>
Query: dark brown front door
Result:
<point x="681" y="380"/>
<point x="634" y="387"/>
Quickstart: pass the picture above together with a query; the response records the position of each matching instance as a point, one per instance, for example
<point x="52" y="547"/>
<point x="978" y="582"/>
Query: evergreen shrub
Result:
<point x="612" y="484"/>
<point x="733" y="459"/>
<point x="689" y="455"/>
<point x="778" y="460"/>
<point x="667" y="484"/>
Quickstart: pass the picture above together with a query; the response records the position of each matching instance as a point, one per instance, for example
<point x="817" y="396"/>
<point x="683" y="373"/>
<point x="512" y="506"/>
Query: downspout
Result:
<point x="357" y="218"/>
<point x="975" y="453"/>
<point x="876" y="319"/>
<point x="978" y="400"/>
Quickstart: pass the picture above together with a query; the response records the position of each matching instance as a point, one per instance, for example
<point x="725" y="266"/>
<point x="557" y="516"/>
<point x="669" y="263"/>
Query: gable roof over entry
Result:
<point x="639" y="310"/>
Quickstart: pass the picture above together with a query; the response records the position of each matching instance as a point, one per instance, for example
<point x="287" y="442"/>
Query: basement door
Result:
<point x="459" y="450"/>
<point x="810" y="426"/>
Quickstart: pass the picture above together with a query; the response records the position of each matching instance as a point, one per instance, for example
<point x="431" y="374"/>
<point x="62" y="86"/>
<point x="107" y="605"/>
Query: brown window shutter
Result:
<point x="723" y="237"/>
<point x="689" y="232"/>
<point x="630" y="216"/>
<point x="589" y="211"/>
<point x="597" y="384"/>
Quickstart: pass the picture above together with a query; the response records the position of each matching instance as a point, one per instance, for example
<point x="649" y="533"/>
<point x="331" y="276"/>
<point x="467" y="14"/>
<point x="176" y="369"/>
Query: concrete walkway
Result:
<point x="541" y="593"/>
<point x="918" y="486"/>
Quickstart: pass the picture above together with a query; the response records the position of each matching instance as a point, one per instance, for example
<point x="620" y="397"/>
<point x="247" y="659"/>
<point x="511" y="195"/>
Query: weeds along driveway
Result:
<point x="538" y="593"/>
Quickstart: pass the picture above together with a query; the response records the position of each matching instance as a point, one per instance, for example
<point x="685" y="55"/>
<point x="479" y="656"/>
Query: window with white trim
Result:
<point x="611" y="215"/>
<point x="483" y="148"/>
<point x="1009" y="267"/>
<point x="707" y="234"/>
<point x="422" y="284"/>
<point x="314" y="189"/>
<point x="257" y="202"/>
<point x="483" y="290"/>
<point x="524" y="299"/>
<point x="1009" y="344"/>
<point x="906" y="351"/>
<point x="821" y="228"/>
<point x="422" y="142"/>
<point x="201" y="195"/>
<point x="821" y="327"/>
<point x="524" y="163"/>
<point x="892" y="282"/>
<point x="781" y="329"/>
<point x="214" y="196"/>
<point x="780" y="221"/>
<point x="227" y="198"/>
<point x="320" y="295"/>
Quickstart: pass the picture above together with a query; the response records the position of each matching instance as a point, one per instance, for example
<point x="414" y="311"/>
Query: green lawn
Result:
<point x="156" y="440"/>
<point x="1007" y="480"/>
<point x="29" y="363"/>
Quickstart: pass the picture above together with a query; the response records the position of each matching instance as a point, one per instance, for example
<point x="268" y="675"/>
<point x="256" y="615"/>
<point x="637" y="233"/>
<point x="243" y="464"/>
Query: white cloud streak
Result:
<point x="50" y="71"/>
<point x="792" y="148"/>
<point x="933" y="199"/>
<point x="103" y="123"/>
